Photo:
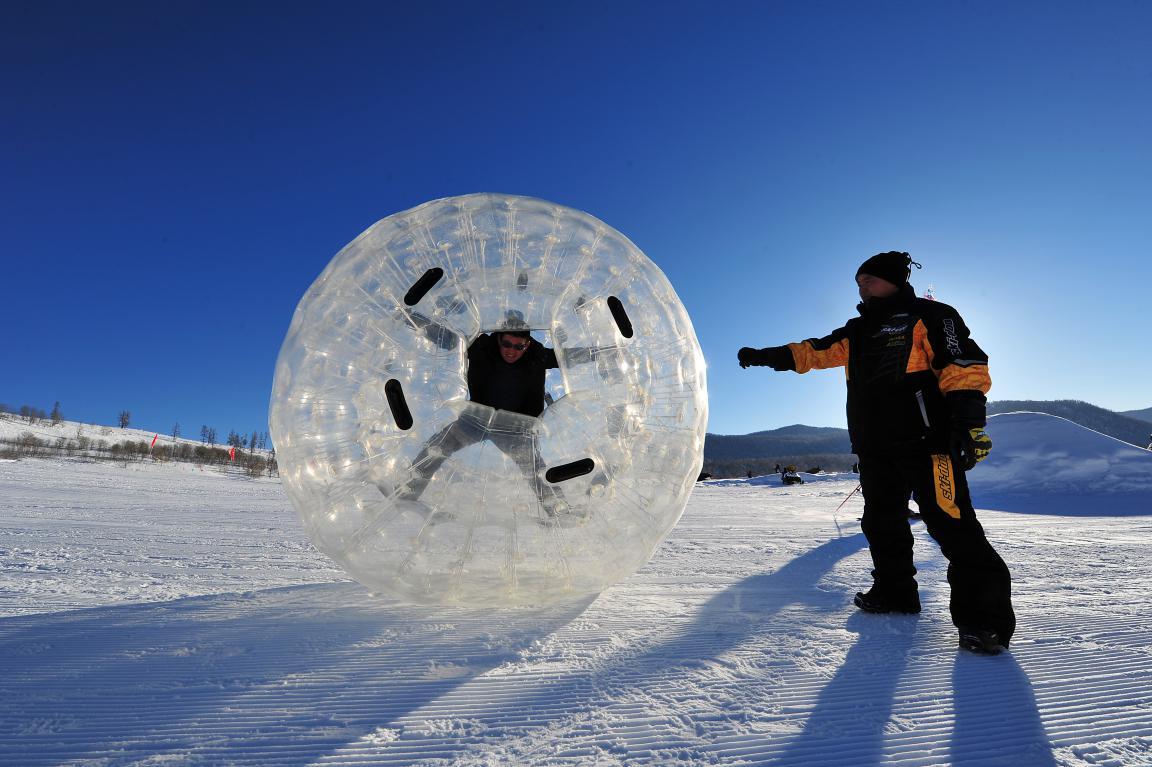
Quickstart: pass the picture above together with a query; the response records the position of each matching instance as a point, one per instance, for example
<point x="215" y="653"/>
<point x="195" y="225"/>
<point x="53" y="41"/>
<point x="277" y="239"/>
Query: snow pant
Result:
<point x="980" y="582"/>
<point x="466" y="431"/>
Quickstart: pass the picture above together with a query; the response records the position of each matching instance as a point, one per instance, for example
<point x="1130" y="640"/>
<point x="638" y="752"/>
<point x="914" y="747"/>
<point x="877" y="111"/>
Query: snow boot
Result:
<point x="874" y="602"/>
<point x="980" y="641"/>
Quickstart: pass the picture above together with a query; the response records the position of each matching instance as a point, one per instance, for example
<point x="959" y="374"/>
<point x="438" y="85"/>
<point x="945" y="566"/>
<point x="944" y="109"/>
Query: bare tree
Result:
<point x="57" y="416"/>
<point x="124" y="419"/>
<point x="32" y="414"/>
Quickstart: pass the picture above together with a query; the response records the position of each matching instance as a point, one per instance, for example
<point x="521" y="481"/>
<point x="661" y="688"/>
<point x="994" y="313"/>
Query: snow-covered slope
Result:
<point x="162" y="615"/>
<point x="1046" y="464"/>
<point x="12" y="427"/>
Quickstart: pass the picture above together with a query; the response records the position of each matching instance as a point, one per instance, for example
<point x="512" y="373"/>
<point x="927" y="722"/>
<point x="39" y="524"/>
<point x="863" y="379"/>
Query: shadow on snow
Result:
<point x="994" y="716"/>
<point x="280" y="676"/>
<point x="289" y="675"/>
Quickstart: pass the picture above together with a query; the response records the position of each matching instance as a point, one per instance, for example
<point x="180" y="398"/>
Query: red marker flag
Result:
<point x="232" y="454"/>
<point x="153" y="442"/>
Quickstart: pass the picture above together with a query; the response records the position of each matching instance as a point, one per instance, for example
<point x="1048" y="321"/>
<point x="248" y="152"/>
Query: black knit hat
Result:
<point x="514" y="324"/>
<point x="894" y="266"/>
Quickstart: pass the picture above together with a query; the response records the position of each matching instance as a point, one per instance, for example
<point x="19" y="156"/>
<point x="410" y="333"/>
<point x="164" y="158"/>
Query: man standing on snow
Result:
<point x="916" y="416"/>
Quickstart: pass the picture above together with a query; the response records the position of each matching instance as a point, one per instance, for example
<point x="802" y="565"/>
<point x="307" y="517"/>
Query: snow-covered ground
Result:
<point x="164" y="615"/>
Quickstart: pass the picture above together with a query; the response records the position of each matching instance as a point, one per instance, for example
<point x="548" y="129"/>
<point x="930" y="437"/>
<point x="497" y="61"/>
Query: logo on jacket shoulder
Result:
<point x="951" y="338"/>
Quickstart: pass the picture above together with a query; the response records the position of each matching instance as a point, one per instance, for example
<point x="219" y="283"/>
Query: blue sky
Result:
<point x="174" y="175"/>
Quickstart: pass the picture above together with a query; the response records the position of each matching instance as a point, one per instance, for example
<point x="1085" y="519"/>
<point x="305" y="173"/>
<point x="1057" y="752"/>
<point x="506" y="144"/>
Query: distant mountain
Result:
<point x="1140" y="415"/>
<point x="1123" y="427"/>
<point x="731" y="455"/>
<point x="789" y="439"/>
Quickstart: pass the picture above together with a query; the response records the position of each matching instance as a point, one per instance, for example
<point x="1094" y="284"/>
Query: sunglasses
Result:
<point x="512" y="345"/>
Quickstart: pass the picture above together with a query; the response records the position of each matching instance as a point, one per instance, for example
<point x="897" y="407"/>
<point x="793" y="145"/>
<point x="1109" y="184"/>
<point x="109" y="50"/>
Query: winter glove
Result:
<point x="970" y="447"/>
<point x="969" y="442"/>
<point x="775" y="357"/>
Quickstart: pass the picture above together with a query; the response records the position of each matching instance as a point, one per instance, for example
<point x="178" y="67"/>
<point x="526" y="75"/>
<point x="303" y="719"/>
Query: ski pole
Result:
<point x="846" y="499"/>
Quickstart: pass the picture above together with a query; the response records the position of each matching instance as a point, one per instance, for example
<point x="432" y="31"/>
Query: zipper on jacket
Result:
<point x="923" y="410"/>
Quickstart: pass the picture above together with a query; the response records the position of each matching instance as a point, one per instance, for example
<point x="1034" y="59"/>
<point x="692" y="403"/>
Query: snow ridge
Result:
<point x="1046" y="464"/>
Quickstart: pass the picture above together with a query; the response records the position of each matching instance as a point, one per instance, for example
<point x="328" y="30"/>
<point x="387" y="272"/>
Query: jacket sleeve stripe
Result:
<point x="820" y="354"/>
<point x="962" y="364"/>
<point x="974" y="377"/>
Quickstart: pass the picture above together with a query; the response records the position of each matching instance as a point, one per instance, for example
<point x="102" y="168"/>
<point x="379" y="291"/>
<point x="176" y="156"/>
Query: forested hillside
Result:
<point x="802" y="446"/>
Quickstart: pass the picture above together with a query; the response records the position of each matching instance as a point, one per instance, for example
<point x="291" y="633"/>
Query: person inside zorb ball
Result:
<point x="505" y="371"/>
<point x="489" y="400"/>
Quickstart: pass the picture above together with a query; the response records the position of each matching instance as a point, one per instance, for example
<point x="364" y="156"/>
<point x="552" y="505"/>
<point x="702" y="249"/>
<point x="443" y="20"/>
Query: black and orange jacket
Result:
<point x="910" y="364"/>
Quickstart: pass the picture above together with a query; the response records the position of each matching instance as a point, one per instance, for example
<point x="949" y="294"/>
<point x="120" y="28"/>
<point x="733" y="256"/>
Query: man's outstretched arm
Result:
<point x="811" y="354"/>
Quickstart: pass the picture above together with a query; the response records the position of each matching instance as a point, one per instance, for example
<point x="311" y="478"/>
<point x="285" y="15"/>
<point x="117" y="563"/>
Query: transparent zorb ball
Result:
<point x="425" y="496"/>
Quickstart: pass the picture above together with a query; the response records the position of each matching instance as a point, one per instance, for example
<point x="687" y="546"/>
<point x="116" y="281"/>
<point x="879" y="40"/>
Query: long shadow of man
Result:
<point x="850" y="720"/>
<point x="995" y="717"/>
<point x="847" y="724"/>
<point x="996" y="720"/>
<point x="747" y="605"/>
<point x="726" y="621"/>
